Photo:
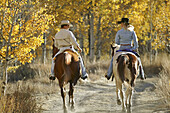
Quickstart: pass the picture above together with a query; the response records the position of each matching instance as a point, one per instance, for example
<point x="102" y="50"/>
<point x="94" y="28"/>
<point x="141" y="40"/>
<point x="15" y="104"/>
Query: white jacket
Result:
<point x="65" y="38"/>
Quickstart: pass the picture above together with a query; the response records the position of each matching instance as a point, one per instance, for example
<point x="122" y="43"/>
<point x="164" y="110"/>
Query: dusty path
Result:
<point x="100" y="97"/>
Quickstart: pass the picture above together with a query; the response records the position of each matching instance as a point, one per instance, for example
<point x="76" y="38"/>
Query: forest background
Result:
<point x="28" y="26"/>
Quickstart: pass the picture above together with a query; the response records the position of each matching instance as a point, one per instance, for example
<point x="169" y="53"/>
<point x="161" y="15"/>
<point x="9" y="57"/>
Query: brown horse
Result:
<point x="125" y="71"/>
<point x="66" y="70"/>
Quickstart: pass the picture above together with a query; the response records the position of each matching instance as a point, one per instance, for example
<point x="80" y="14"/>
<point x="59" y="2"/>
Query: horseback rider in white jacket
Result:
<point x="63" y="40"/>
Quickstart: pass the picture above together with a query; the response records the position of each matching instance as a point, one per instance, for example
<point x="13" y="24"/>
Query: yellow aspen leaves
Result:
<point x="22" y="29"/>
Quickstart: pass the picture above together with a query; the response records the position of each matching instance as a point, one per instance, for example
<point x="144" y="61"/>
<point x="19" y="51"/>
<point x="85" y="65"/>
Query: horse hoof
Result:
<point x="128" y="105"/>
<point x="65" y="109"/>
<point x="118" y="102"/>
<point x="72" y="108"/>
<point x="142" y="78"/>
<point x="123" y="109"/>
<point x="52" y="78"/>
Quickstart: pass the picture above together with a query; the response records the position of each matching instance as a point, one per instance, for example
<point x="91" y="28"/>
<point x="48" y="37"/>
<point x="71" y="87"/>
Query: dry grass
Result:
<point x="21" y="100"/>
<point x="21" y="95"/>
<point x="41" y="82"/>
<point x="97" y="69"/>
<point x="153" y="68"/>
<point x="163" y="85"/>
<point x="159" y="68"/>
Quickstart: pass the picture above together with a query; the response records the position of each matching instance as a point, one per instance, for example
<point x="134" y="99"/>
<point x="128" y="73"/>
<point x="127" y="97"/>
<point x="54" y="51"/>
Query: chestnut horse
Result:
<point x="66" y="70"/>
<point x="125" y="71"/>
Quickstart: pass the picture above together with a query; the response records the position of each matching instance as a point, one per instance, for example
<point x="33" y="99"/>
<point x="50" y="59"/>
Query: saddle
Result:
<point x="128" y="50"/>
<point x="72" y="53"/>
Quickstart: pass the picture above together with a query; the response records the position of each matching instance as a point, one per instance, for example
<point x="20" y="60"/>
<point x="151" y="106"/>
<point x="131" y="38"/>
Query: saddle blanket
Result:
<point x="128" y="50"/>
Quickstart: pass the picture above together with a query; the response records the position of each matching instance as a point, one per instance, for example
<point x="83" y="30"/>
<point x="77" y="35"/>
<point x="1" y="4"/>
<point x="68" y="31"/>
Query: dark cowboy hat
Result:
<point x="124" y="20"/>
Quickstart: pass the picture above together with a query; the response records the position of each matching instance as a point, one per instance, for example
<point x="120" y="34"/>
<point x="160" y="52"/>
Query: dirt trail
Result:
<point x="100" y="97"/>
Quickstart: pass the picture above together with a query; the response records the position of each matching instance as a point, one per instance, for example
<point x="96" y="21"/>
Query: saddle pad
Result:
<point x="128" y="50"/>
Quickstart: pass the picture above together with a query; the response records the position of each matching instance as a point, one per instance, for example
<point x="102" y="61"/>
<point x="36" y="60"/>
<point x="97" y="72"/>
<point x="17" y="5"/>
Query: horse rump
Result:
<point x="71" y="66"/>
<point x="122" y="60"/>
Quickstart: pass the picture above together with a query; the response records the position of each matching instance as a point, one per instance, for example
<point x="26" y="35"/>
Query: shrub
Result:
<point x="21" y="101"/>
<point x="163" y="84"/>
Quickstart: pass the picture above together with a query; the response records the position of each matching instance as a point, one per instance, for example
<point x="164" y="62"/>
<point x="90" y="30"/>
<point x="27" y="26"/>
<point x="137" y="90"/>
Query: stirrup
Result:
<point x="84" y="77"/>
<point x="52" y="78"/>
<point x="107" y="77"/>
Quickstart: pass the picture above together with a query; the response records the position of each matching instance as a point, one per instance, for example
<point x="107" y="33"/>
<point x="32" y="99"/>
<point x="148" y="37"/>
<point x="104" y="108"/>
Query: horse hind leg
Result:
<point x="121" y="95"/>
<point x="63" y="94"/>
<point x="71" y="99"/>
<point x="128" y="96"/>
<point x="118" y="100"/>
<point x="128" y="106"/>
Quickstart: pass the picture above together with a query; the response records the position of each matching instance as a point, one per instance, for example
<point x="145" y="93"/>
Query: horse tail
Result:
<point x="133" y="78"/>
<point x="71" y="66"/>
<point x="68" y="58"/>
<point x="122" y="61"/>
<point x="132" y="68"/>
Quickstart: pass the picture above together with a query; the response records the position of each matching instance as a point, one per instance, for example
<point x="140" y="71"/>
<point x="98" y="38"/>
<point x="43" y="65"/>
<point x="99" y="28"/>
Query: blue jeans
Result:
<point x="110" y="70"/>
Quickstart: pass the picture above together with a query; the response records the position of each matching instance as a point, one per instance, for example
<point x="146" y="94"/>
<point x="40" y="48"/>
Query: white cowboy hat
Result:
<point x="65" y="22"/>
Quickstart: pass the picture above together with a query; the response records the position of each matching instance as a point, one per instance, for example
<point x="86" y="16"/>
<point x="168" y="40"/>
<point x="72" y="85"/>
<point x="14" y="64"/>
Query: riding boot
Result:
<point x="52" y="77"/>
<point x="110" y="70"/>
<point x="84" y="73"/>
<point x="141" y="71"/>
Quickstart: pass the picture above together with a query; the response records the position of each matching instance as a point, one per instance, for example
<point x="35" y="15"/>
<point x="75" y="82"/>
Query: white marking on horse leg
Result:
<point x="130" y="96"/>
<point x="126" y="96"/>
<point x="121" y="95"/>
<point x="118" y="100"/>
<point x="63" y="94"/>
<point x="128" y="90"/>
